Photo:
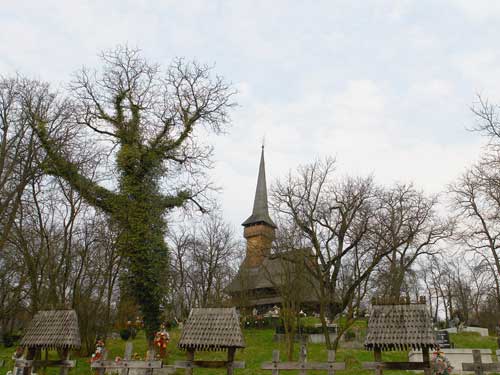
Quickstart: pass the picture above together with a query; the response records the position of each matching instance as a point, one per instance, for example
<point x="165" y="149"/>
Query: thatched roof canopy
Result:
<point x="212" y="329"/>
<point x="400" y="326"/>
<point x="53" y="329"/>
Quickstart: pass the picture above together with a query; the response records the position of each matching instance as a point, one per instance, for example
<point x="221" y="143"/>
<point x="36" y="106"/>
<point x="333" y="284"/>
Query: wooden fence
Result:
<point x="126" y="363"/>
<point x="31" y="365"/>
<point x="303" y="365"/>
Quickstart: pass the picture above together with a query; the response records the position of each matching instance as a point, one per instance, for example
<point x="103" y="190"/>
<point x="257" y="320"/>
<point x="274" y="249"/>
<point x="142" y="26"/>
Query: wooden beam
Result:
<point x="302" y="366"/>
<point x="126" y="364"/>
<point x="486" y="367"/>
<point x="395" y="365"/>
<point x="209" y="364"/>
<point x="26" y="363"/>
<point x="169" y="369"/>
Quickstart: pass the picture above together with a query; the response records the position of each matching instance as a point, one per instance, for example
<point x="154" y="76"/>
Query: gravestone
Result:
<point x="443" y="339"/>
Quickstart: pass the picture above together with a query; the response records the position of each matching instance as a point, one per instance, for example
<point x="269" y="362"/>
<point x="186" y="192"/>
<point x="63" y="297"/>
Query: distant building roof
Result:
<point x="400" y="326"/>
<point x="260" y="213"/>
<point x="212" y="329"/>
<point x="53" y="329"/>
<point x="275" y="270"/>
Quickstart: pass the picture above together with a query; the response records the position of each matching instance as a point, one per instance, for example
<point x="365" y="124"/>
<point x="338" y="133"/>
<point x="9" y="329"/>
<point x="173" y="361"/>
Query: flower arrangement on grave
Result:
<point x="440" y="365"/>
<point x="161" y="341"/>
<point x="137" y="357"/>
<point x="99" y="351"/>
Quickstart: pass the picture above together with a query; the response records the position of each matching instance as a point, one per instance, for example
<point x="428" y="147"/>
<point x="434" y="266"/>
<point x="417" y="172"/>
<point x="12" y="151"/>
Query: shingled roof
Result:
<point x="400" y="326"/>
<point x="271" y="274"/>
<point x="260" y="212"/>
<point x="53" y="329"/>
<point x="212" y="329"/>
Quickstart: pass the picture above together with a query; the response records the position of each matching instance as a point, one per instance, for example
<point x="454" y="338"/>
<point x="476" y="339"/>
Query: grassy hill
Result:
<point x="259" y="349"/>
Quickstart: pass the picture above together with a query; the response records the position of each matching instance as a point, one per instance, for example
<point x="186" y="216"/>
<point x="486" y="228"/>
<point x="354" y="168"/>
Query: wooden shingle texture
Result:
<point x="53" y="329"/>
<point x="212" y="329"/>
<point x="400" y="327"/>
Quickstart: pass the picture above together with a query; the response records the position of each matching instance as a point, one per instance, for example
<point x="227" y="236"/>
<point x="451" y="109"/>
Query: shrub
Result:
<point x="133" y="332"/>
<point x="349" y="335"/>
<point x="8" y="340"/>
<point x="259" y="322"/>
<point x="125" y="334"/>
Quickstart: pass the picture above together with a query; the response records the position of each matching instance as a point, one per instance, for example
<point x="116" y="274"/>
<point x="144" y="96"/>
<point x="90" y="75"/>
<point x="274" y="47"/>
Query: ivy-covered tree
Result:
<point x="150" y="122"/>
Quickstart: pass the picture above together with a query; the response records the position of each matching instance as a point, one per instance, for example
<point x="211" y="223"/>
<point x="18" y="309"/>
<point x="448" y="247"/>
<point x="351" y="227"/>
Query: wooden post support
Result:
<point x="127" y="355"/>
<point x="189" y="357"/>
<point x="303" y="359"/>
<point x="150" y="356"/>
<point x="230" y="360"/>
<point x="377" y="353"/>
<point x="427" y="361"/>
<point x="65" y="357"/>
<point x="331" y="362"/>
<point x="30" y="355"/>
<point x="104" y="356"/>
<point x="276" y="360"/>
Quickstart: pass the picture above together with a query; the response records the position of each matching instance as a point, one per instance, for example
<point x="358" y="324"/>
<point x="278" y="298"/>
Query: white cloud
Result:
<point x="374" y="84"/>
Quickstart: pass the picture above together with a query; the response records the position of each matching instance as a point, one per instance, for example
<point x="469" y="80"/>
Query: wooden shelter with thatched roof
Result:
<point x="211" y="329"/>
<point x="50" y="330"/>
<point x="399" y="325"/>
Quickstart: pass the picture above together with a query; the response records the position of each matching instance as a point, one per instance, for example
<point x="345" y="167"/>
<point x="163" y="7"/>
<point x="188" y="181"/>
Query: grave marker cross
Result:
<point x="478" y="366"/>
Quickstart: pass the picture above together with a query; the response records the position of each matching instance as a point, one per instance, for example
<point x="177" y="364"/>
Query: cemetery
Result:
<point x="260" y="351"/>
<point x="249" y="187"/>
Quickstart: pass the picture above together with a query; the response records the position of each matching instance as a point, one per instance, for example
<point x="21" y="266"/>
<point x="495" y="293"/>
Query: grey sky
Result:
<point x="384" y="86"/>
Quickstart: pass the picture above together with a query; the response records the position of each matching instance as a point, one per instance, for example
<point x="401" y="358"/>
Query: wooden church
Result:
<point x="256" y="287"/>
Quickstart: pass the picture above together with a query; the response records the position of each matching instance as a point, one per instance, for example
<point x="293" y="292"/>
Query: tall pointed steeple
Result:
<point x="259" y="227"/>
<point x="260" y="212"/>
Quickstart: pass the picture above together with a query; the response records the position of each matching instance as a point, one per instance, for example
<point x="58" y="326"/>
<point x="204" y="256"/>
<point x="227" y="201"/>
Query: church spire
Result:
<point x="260" y="213"/>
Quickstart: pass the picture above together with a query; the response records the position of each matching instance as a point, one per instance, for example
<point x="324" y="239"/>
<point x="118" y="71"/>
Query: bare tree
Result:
<point x="336" y="219"/>
<point x="409" y="228"/>
<point x="287" y="270"/>
<point x="476" y="199"/>
<point x="203" y="262"/>
<point x="18" y="150"/>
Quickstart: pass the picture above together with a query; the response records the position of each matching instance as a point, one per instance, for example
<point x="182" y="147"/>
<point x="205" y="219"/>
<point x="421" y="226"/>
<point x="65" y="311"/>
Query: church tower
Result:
<point x="259" y="227"/>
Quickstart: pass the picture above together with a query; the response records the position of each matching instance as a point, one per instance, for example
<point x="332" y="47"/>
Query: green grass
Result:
<point x="474" y="340"/>
<point x="259" y="347"/>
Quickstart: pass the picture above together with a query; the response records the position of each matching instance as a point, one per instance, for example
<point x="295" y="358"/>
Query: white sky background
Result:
<point x="384" y="86"/>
